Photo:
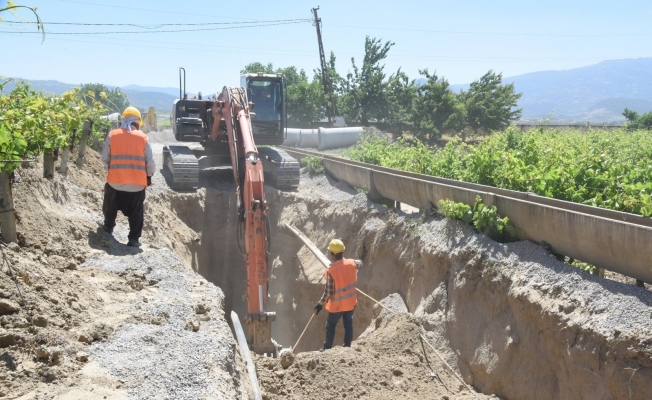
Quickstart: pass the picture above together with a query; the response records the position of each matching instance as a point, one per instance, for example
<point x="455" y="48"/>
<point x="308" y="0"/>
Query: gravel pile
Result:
<point x="606" y="305"/>
<point x="180" y="348"/>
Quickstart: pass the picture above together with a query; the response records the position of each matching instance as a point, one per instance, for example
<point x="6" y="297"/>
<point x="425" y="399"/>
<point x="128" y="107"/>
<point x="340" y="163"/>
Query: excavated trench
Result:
<point x="509" y="318"/>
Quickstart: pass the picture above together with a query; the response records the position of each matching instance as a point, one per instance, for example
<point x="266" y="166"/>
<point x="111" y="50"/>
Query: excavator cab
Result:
<point x="267" y="93"/>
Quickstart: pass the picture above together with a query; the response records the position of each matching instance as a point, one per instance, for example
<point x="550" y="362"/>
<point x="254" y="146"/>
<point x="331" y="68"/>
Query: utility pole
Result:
<point x="328" y="87"/>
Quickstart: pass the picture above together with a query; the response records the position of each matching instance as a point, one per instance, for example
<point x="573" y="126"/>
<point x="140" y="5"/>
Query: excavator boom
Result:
<point x="228" y="130"/>
<point x="252" y="210"/>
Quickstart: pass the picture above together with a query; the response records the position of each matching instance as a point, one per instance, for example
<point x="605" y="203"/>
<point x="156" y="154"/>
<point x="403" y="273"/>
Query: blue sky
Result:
<point x="461" y="40"/>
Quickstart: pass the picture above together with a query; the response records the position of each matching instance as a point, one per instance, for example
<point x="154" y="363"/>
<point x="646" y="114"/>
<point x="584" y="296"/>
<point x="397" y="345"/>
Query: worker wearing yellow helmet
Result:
<point x="340" y="294"/>
<point x="129" y="162"/>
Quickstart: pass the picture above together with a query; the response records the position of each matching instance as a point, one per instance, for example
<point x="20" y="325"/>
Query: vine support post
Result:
<point x="48" y="164"/>
<point x="63" y="170"/>
<point x="86" y="132"/>
<point x="7" y="212"/>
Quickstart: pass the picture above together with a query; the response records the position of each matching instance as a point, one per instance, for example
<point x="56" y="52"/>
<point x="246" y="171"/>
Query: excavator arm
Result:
<point x="233" y="106"/>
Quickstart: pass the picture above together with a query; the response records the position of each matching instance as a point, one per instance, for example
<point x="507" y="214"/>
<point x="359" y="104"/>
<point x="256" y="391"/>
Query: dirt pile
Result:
<point x="87" y="317"/>
<point x="390" y="362"/>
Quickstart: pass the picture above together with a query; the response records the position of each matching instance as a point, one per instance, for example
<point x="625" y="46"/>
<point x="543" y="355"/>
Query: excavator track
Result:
<point x="281" y="168"/>
<point x="183" y="165"/>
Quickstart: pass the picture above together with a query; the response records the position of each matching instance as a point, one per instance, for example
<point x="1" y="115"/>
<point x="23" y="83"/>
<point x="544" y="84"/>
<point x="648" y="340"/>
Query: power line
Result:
<point x="163" y="24"/>
<point x="165" y="31"/>
<point x="145" y="9"/>
<point x="494" y="33"/>
<point x="276" y="52"/>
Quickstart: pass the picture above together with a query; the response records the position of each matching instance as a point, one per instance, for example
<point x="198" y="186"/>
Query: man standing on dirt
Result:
<point x="340" y="293"/>
<point x="128" y="158"/>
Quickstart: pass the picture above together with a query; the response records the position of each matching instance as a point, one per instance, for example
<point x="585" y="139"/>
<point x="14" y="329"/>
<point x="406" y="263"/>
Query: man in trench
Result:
<point x="340" y="296"/>
<point x="128" y="158"/>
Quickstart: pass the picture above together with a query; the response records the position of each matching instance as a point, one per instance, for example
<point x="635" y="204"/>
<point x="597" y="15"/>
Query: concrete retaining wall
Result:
<point x="609" y="239"/>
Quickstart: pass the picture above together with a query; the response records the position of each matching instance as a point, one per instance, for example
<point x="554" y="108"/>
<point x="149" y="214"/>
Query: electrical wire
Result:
<point x="144" y="9"/>
<point x="496" y="33"/>
<point x="163" y="24"/>
<point x="164" y="31"/>
<point x="276" y="52"/>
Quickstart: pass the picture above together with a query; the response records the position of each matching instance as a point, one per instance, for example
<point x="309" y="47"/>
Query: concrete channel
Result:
<point x="609" y="239"/>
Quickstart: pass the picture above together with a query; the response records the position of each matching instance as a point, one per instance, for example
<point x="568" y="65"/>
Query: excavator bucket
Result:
<point x="260" y="333"/>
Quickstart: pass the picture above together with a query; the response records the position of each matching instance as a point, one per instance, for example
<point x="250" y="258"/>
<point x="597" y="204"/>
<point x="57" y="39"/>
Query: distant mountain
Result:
<point x="161" y="101"/>
<point x="168" y="90"/>
<point x="597" y="92"/>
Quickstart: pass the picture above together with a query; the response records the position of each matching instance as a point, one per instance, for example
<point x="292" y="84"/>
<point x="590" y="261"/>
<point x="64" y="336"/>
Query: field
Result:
<point x="598" y="168"/>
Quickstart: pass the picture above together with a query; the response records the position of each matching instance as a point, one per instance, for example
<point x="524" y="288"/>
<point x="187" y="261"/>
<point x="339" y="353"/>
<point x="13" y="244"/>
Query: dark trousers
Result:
<point x="331" y="323"/>
<point x="131" y="205"/>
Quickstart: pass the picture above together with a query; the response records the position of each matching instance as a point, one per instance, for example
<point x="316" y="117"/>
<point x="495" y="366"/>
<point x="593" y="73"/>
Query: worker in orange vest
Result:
<point x="128" y="158"/>
<point x="340" y="294"/>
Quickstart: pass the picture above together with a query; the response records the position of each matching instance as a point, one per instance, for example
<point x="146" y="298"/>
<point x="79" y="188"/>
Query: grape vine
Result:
<point x="32" y="123"/>
<point x="608" y="169"/>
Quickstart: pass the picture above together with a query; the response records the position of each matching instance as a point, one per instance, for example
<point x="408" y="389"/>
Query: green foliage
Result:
<point x="603" y="169"/>
<point x="436" y="108"/>
<point x="305" y="98"/>
<point x="255" y="67"/>
<point x="365" y="89"/>
<point x="584" y="266"/>
<point x="401" y="96"/>
<point x="113" y="100"/>
<point x="637" y="122"/>
<point x="313" y="165"/>
<point x="32" y="123"/>
<point x="455" y="210"/>
<point x="489" y="104"/>
<point x="485" y="219"/>
<point x="367" y="94"/>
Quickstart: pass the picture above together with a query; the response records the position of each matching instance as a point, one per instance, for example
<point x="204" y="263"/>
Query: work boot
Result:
<point x="106" y="228"/>
<point x="133" y="243"/>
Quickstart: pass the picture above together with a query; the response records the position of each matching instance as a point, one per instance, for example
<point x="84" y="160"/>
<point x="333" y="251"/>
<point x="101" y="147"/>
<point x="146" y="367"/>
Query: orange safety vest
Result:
<point x="345" y="276"/>
<point x="127" y="165"/>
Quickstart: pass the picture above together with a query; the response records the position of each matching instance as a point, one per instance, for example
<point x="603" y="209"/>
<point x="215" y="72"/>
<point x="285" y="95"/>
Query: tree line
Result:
<point x="368" y="94"/>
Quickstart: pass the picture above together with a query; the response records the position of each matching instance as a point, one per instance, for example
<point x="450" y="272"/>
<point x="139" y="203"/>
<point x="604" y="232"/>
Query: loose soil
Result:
<point x="100" y="320"/>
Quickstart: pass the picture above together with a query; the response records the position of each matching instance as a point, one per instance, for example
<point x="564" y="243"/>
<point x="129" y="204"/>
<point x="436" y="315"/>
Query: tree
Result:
<point x="113" y="100"/>
<point x="401" y="96"/>
<point x="436" y="108"/>
<point x="365" y="89"/>
<point x="255" y="67"/>
<point x="489" y="104"/>
<point x="335" y="81"/>
<point x="305" y="99"/>
<point x="635" y="121"/>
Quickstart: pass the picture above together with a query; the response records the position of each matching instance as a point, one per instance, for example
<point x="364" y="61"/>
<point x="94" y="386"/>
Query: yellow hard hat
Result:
<point x="132" y="112"/>
<point x="336" y="246"/>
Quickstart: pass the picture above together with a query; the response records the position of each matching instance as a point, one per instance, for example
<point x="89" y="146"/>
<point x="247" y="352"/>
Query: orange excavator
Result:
<point x="226" y="127"/>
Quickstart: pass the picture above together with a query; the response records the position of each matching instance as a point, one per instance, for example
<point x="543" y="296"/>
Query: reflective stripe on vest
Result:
<point x="127" y="158"/>
<point x="345" y="276"/>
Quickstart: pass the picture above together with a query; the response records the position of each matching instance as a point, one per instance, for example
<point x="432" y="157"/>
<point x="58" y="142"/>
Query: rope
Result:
<point x="323" y="261"/>
<point x="425" y="340"/>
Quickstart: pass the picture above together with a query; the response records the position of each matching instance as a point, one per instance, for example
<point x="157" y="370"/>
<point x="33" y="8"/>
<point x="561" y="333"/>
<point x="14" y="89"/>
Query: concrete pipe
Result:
<point x="292" y="137"/>
<point x="309" y="138"/>
<point x="335" y="138"/>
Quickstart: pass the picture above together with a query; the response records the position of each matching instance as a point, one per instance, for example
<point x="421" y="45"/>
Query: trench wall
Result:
<point x="510" y="318"/>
